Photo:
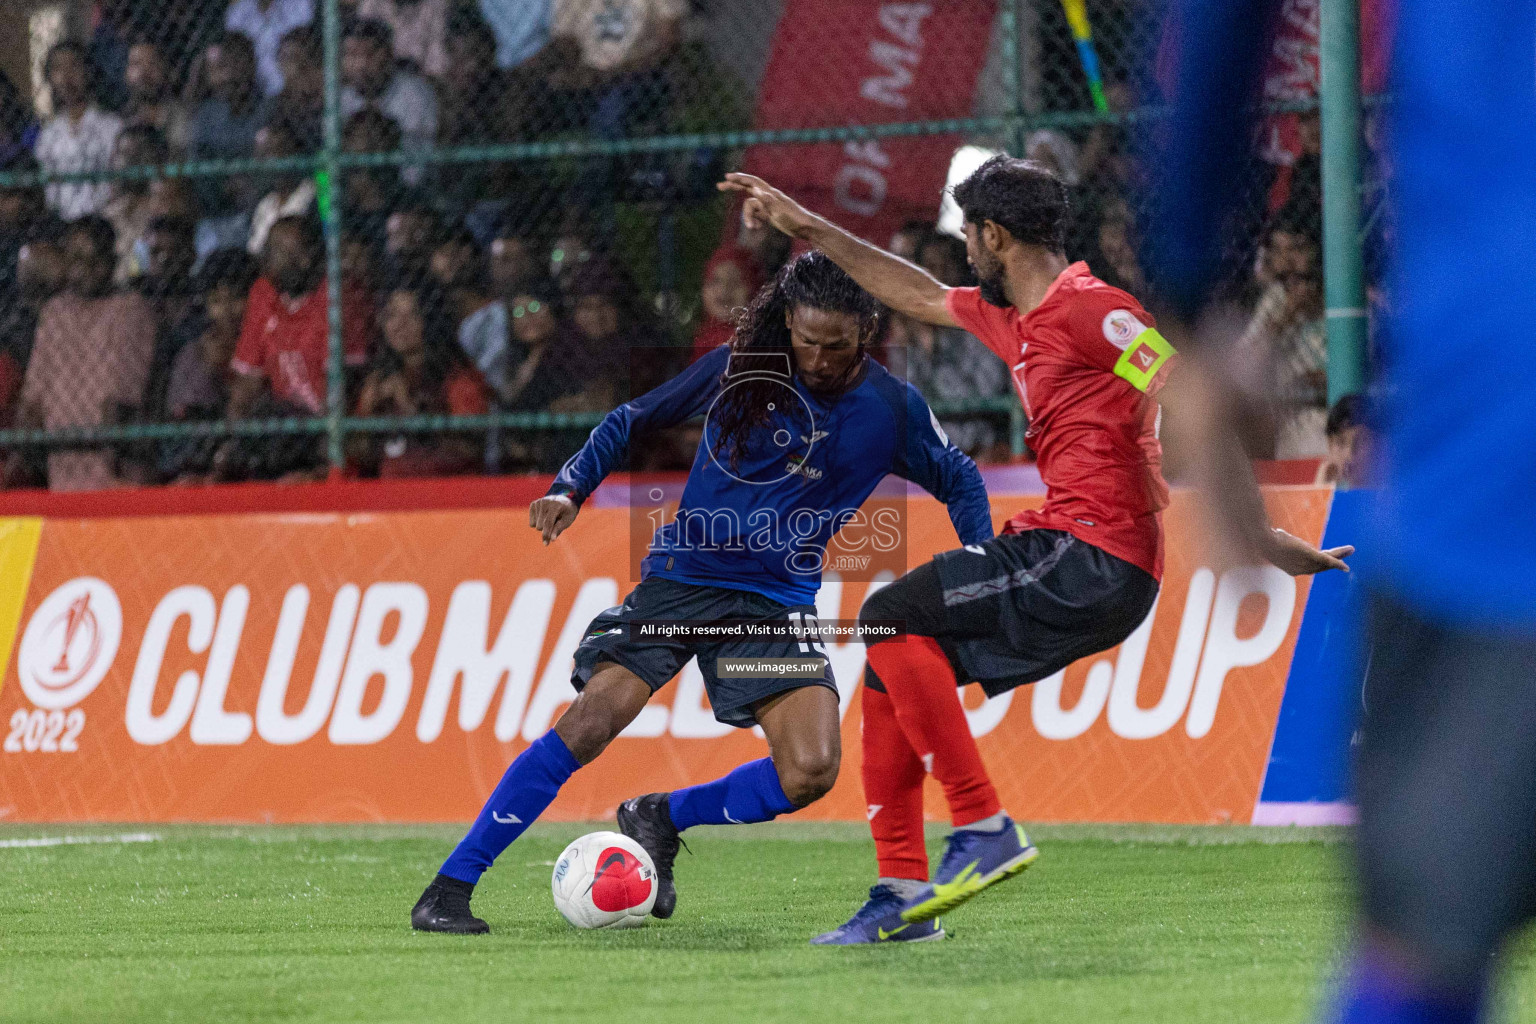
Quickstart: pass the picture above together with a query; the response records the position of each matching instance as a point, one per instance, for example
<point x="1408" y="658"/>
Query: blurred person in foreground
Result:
<point x="91" y="357"/>
<point x="1445" y="771"/>
<point x="418" y="370"/>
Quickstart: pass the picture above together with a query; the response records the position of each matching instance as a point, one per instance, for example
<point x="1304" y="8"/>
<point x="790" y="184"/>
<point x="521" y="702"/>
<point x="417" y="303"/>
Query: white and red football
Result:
<point x="604" y="880"/>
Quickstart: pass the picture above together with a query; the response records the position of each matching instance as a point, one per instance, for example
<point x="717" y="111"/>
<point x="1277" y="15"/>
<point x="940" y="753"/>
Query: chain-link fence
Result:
<point x="273" y="239"/>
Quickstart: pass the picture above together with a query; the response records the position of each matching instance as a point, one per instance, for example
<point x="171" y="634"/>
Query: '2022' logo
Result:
<point x="70" y="643"/>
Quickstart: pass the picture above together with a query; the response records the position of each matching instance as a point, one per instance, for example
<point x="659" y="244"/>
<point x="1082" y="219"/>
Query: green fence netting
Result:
<point x="271" y="240"/>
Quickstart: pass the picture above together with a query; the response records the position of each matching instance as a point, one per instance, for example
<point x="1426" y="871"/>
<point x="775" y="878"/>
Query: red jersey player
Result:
<point x="1061" y="583"/>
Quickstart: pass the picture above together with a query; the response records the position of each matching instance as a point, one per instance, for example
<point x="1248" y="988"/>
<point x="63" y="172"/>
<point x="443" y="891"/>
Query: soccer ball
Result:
<point x="604" y="880"/>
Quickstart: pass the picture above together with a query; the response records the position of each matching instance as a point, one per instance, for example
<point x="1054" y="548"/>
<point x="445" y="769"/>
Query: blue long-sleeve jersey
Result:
<point x="1453" y="534"/>
<point x="762" y="522"/>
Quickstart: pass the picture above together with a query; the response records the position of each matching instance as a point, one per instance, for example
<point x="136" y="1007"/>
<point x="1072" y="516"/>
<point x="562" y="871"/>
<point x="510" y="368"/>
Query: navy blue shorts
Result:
<point x="614" y="636"/>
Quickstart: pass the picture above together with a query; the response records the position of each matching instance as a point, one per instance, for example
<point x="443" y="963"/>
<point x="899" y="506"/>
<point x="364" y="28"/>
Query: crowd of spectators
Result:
<point x="181" y="299"/>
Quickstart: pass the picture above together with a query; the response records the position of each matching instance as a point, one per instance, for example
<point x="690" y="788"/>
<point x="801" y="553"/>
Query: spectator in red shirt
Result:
<point x="284" y="340"/>
<point x="280" y="359"/>
<point x="731" y="277"/>
<point x="420" y="369"/>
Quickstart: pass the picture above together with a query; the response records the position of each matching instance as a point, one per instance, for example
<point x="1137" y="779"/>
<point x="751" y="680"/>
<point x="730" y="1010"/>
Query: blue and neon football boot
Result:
<point x="973" y="861"/>
<point x="879" y="920"/>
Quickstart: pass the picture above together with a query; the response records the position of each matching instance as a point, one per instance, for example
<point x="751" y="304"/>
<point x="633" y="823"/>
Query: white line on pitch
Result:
<point x="130" y="837"/>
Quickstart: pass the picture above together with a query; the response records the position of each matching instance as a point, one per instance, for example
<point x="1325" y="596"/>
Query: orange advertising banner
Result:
<point x="388" y="666"/>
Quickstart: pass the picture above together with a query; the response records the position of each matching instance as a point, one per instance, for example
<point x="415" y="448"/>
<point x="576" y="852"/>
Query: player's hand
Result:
<point x="1299" y="558"/>
<point x="550" y="515"/>
<point x="764" y="203"/>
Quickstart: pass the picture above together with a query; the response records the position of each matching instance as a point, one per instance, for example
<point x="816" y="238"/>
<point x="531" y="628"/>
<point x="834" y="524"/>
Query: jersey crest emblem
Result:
<point x="1121" y="328"/>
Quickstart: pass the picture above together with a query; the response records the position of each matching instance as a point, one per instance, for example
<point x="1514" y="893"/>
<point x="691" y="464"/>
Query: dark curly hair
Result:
<point x="1024" y="196"/>
<point x="811" y="280"/>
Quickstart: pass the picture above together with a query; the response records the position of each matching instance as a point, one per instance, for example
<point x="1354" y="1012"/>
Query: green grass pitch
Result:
<point x="310" y="924"/>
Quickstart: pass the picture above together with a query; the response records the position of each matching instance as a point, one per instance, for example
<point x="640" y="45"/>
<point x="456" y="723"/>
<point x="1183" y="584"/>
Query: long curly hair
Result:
<point x="762" y="334"/>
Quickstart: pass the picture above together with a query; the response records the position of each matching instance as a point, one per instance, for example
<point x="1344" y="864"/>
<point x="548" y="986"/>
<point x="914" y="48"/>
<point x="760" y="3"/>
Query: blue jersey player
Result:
<point x="1446" y="765"/>
<point x="801" y="425"/>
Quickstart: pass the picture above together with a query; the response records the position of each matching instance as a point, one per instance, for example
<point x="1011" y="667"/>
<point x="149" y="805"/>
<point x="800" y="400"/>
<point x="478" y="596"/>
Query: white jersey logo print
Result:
<point x="726" y="811"/>
<point x="874" y="809"/>
<point x="510" y="819"/>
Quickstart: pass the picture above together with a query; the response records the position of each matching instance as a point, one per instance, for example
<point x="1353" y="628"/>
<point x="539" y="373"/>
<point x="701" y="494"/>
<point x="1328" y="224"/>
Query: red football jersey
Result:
<point x="290" y="343"/>
<point x="1086" y="363"/>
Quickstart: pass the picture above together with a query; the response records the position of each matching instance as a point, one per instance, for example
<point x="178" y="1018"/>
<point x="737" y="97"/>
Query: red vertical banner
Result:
<point x="1292" y="72"/>
<point x="864" y="62"/>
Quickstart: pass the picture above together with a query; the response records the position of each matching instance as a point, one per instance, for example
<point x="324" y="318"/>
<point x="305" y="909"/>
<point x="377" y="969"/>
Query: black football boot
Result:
<point x="444" y="907"/>
<point x="648" y="821"/>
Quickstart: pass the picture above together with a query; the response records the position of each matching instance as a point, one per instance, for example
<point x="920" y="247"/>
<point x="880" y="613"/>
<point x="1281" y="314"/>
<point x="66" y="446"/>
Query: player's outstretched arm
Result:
<point x="1299" y="558"/>
<point x="551" y="514"/>
<point x="681" y="398"/>
<point x="904" y="287"/>
<point x="1196" y="419"/>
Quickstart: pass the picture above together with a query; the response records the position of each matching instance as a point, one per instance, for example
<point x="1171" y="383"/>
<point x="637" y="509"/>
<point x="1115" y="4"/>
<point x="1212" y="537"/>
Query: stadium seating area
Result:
<point x="492" y="286"/>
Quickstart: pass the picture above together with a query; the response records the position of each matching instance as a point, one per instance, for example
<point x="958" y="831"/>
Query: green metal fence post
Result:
<point x="1343" y="258"/>
<point x="1013" y="26"/>
<point x="328" y="195"/>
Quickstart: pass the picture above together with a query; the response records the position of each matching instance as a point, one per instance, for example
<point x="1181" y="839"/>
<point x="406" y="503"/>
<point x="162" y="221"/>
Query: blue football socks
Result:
<point x="749" y="793"/>
<point x="528" y="787"/>
<point x="1374" y="993"/>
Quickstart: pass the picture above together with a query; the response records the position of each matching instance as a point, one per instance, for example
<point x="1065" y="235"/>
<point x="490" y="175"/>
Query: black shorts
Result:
<point x="1446" y="780"/>
<point x="1019" y="607"/>
<point x="657" y="659"/>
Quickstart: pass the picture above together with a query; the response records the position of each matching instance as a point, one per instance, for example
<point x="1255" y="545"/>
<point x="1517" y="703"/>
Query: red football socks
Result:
<point x="893" y="788"/>
<point x="922" y="689"/>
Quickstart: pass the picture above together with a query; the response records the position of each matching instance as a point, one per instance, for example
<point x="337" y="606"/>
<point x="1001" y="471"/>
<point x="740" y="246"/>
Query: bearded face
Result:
<point x="992" y="286"/>
<point x="987" y="265"/>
